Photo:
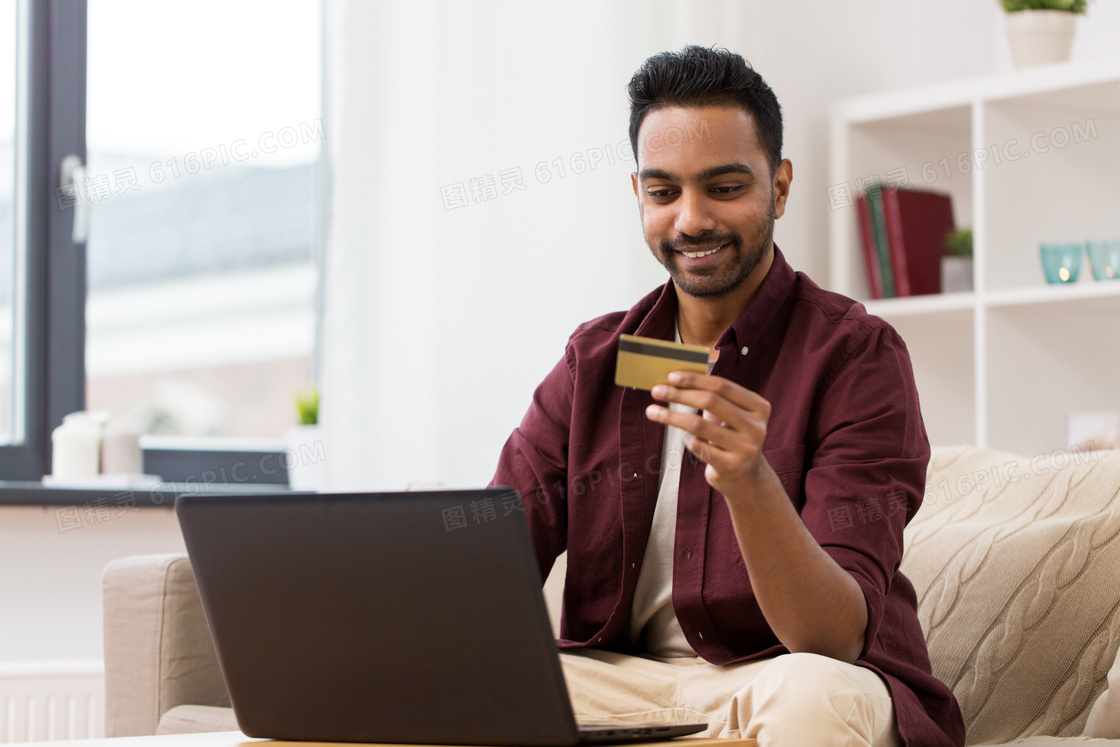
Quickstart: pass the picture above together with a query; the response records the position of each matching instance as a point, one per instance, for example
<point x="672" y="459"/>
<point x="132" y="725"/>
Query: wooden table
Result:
<point x="237" y="739"/>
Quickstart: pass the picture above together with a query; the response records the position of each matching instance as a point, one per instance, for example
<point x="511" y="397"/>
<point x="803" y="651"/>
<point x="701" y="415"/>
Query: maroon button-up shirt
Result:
<point x="845" y="437"/>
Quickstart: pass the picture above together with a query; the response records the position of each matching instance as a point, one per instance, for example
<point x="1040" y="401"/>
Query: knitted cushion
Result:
<point x="1104" y="719"/>
<point x="1016" y="563"/>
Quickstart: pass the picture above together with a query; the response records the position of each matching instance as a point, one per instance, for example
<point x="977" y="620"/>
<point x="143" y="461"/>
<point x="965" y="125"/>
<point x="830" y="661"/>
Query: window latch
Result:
<point x="71" y="177"/>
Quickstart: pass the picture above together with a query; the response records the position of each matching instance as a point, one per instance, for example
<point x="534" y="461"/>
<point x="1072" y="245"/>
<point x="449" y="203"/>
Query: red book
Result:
<point x="870" y="254"/>
<point x="917" y="223"/>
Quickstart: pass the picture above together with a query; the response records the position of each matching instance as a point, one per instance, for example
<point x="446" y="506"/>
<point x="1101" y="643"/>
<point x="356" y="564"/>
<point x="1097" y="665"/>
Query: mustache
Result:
<point x="685" y="243"/>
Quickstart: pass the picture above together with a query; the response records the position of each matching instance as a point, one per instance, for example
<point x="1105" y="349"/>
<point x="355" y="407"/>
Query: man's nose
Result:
<point x="693" y="216"/>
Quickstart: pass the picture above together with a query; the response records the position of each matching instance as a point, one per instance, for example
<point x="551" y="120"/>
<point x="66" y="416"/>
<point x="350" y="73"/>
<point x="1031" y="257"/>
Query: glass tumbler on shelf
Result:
<point x="1104" y="259"/>
<point x="1060" y="262"/>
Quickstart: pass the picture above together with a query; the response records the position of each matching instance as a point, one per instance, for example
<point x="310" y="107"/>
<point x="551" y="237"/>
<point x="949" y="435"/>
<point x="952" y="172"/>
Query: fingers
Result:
<point x="701" y="427"/>
<point x="724" y="388"/>
<point x="715" y="408"/>
<point x="722" y="461"/>
<point x="722" y="401"/>
<point x="713" y="443"/>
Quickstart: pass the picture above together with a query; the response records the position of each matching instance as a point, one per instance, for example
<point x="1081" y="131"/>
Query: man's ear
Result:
<point x="782" y="177"/>
<point x="638" y="197"/>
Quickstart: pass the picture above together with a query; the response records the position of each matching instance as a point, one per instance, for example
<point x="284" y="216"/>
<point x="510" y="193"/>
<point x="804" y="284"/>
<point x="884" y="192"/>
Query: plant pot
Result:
<point x="305" y="458"/>
<point x="956" y="274"/>
<point x="1039" y="37"/>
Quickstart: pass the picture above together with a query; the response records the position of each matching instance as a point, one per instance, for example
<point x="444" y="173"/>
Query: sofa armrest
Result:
<point x="158" y="649"/>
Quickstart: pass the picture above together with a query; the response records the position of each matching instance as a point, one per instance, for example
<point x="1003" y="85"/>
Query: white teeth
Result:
<point x="694" y="255"/>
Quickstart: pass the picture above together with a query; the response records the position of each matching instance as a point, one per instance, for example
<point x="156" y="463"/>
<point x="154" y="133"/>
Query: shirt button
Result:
<point x="688" y="554"/>
<point x="745" y="350"/>
<point x="700" y="634"/>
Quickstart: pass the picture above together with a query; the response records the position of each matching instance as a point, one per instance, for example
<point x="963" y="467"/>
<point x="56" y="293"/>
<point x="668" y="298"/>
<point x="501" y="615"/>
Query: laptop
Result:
<point x="385" y="617"/>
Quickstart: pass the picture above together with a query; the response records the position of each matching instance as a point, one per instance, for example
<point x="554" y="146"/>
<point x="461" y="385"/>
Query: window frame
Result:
<point x="54" y="63"/>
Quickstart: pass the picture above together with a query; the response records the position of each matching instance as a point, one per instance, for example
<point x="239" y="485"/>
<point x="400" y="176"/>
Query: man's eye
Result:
<point x="659" y="194"/>
<point x="728" y="190"/>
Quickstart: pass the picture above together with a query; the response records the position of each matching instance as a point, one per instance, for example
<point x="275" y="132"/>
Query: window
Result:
<point x="180" y="270"/>
<point x="203" y="130"/>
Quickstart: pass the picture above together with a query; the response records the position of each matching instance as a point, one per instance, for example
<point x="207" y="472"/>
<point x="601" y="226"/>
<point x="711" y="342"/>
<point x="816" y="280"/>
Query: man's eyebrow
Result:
<point x="703" y="176"/>
<point x="727" y="168"/>
<point x="645" y="174"/>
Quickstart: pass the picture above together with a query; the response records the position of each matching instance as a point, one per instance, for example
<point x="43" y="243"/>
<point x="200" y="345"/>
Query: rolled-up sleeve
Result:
<point x="867" y="476"/>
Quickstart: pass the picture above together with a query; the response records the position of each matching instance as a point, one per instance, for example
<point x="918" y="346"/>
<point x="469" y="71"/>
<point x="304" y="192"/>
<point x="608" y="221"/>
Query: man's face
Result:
<point x="707" y="199"/>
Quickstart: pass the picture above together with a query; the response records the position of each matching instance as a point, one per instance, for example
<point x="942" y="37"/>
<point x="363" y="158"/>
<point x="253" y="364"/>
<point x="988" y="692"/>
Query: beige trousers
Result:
<point x="793" y="699"/>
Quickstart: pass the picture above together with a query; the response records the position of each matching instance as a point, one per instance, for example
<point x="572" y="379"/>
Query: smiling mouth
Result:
<point x="696" y="255"/>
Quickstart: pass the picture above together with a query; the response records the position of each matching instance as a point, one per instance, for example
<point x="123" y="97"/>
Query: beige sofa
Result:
<point x="1016" y="562"/>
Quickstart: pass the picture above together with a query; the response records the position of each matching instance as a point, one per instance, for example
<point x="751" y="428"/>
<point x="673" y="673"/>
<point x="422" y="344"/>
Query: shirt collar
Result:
<point x="749" y="327"/>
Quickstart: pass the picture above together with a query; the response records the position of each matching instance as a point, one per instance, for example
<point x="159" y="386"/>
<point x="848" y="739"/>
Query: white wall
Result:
<point x="50" y="588"/>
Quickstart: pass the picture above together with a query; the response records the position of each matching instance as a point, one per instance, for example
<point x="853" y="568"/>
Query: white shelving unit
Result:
<point x="1029" y="156"/>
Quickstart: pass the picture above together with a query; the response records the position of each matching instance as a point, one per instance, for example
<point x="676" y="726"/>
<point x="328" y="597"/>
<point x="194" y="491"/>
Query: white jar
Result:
<point x="76" y="445"/>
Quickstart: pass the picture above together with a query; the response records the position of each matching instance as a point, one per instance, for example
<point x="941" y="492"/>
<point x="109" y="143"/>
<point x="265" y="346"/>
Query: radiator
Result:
<point x="49" y="700"/>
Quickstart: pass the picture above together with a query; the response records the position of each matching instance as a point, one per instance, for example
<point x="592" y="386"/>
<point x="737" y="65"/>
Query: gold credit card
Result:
<point x="644" y="362"/>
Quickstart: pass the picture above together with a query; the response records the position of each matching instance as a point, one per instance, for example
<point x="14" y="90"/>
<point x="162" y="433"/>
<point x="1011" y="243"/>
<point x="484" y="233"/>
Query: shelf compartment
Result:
<point x="918" y="151"/>
<point x="1057" y="180"/>
<point x="1045" y="361"/>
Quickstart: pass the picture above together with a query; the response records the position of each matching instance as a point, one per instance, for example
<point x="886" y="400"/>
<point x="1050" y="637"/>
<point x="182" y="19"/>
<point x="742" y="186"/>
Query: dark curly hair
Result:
<point x="697" y="76"/>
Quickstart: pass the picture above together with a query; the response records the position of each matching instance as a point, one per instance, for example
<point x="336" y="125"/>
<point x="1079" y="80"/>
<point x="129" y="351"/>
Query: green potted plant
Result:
<point x="956" y="264"/>
<point x="305" y="456"/>
<point x="1041" y="31"/>
<point x="307" y="406"/>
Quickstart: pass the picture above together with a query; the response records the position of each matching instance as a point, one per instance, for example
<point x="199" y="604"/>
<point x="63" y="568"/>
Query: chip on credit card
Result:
<point x="645" y="362"/>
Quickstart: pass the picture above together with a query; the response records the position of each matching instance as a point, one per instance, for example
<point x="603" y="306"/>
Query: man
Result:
<point x="733" y="538"/>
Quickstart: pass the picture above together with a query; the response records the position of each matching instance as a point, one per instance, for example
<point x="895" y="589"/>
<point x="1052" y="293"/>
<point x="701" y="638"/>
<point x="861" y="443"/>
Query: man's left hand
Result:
<point x="730" y="434"/>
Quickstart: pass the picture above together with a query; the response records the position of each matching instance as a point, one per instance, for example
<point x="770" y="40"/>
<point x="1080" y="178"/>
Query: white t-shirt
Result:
<point x="653" y="621"/>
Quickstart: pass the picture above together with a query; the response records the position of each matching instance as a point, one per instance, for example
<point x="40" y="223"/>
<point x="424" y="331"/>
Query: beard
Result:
<point x="746" y="256"/>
